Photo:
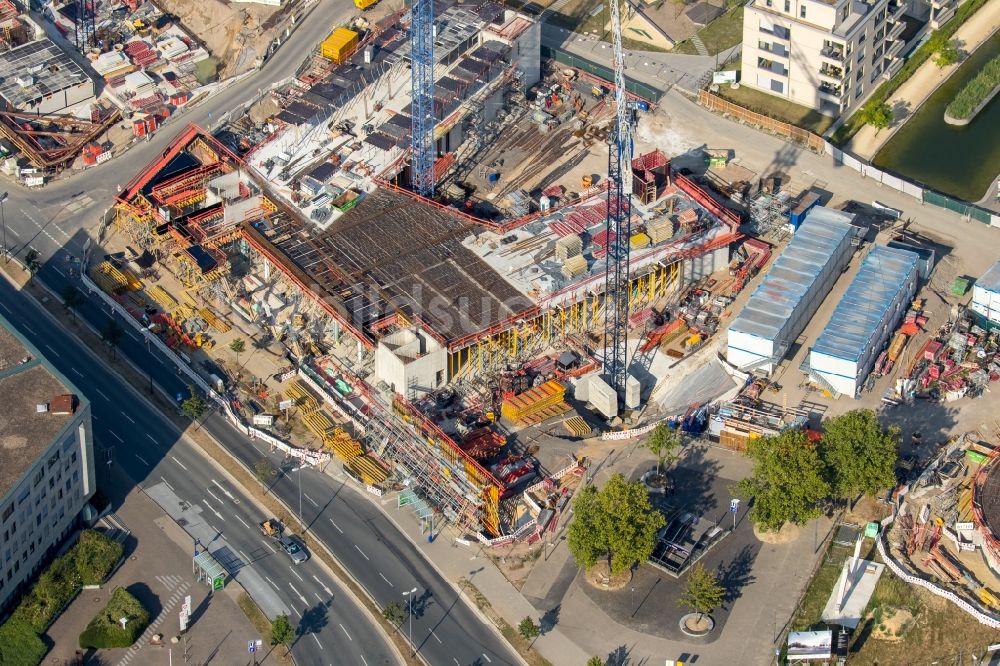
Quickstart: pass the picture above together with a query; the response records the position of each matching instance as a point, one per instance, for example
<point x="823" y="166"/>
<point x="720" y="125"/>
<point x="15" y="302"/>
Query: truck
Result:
<point x="292" y="545"/>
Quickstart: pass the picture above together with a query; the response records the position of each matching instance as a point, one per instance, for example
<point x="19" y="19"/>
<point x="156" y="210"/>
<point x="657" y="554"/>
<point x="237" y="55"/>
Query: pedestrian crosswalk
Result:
<point x="177" y="587"/>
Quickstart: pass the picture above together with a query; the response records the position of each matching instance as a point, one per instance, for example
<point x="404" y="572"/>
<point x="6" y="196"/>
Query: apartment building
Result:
<point x="46" y="461"/>
<point x="828" y="55"/>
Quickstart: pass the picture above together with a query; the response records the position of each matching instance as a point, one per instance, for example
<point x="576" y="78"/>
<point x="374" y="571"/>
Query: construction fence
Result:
<point x="648" y="93"/>
<point x="819" y="145"/>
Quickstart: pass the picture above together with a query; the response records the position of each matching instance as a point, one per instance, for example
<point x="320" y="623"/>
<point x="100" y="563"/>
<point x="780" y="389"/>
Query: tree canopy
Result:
<point x="616" y="522"/>
<point x="281" y="630"/>
<point x="528" y="629"/>
<point x="878" y="115"/>
<point x="859" y="453"/>
<point x="663" y="443"/>
<point x="702" y="592"/>
<point x="788" y="480"/>
<point x="194" y="406"/>
<point x="394" y="613"/>
<point x="947" y="53"/>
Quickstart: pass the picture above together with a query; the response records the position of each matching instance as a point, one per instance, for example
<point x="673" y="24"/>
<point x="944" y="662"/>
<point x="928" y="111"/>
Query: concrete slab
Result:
<point x="860" y="586"/>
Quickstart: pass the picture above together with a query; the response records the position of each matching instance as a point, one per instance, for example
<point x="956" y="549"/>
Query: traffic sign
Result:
<point x="259" y="644"/>
<point x="218" y="582"/>
<point x="251" y="647"/>
<point x="734" y="505"/>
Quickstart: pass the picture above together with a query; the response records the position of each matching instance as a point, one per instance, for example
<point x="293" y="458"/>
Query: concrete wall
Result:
<point x="412" y="363"/>
<point x="527" y="54"/>
<point x="81" y="92"/>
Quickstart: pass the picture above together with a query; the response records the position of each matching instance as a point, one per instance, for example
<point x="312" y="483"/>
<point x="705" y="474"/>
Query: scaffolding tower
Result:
<point x="85" y="27"/>
<point x="422" y="81"/>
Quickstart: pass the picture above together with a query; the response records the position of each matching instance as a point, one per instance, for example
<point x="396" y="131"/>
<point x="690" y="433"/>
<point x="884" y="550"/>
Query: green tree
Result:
<point x="264" y="471"/>
<point x="237" y="346"/>
<point x="112" y="334"/>
<point x="72" y="298"/>
<point x="394" y="613"/>
<point x="788" y="480"/>
<point x="194" y="407"/>
<point x="528" y="629"/>
<point x="32" y="261"/>
<point x="281" y="630"/>
<point x="595" y="661"/>
<point x="702" y="592"/>
<point x="663" y="443"/>
<point x="947" y="53"/>
<point x="860" y="455"/>
<point x="877" y="114"/>
<point x="616" y="522"/>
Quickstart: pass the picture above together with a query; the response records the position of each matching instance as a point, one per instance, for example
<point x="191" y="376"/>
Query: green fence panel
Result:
<point x="642" y="90"/>
<point x="956" y="205"/>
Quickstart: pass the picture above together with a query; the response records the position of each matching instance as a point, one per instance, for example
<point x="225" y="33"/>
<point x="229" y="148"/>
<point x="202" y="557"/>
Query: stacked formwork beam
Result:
<point x="536" y="404"/>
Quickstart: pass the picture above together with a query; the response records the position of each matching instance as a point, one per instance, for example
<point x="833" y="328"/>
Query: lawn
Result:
<point x="719" y="35"/>
<point x="777" y="107"/>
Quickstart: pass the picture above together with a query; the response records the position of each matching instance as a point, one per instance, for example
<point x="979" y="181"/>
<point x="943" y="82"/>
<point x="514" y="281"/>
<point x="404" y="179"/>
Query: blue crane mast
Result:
<point x="422" y="105"/>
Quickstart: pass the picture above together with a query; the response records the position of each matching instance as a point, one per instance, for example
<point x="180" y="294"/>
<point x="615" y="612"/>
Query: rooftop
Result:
<point x="861" y="310"/>
<point x="990" y="281"/>
<point x="35" y="70"/>
<point x="26" y="433"/>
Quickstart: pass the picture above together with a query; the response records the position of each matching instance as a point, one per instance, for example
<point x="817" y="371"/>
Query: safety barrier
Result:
<point x="627" y="434"/>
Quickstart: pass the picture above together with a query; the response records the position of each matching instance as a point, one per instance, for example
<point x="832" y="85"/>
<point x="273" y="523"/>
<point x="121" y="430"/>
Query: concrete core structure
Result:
<point x="411" y="362"/>
<point x="46" y="461"/>
<point x="39" y="77"/>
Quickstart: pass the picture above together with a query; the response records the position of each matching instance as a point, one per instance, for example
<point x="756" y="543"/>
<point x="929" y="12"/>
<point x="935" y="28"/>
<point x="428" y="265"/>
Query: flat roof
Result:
<point x="24" y="432"/>
<point x="855" y="320"/>
<point x="794" y="273"/>
<point x="50" y="68"/>
<point x="990" y="281"/>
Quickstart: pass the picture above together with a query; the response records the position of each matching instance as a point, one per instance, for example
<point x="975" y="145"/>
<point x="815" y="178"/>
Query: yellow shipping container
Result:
<point x="339" y="45"/>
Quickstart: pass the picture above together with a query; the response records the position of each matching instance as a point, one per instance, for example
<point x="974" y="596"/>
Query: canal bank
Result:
<point x="961" y="161"/>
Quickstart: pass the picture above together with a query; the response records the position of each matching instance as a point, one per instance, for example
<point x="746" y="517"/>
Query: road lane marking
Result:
<point x="362" y="552"/>
<point x="310" y="499"/>
<point x="94" y="416"/>
<point x="12" y="230"/>
<point x="317" y="641"/>
<point x="457" y="662"/>
<point x="296" y="574"/>
<point x="101" y="393"/>
<point x="244" y="556"/>
<point x="128" y="417"/>
<point x="273" y="549"/>
<point x="167" y="483"/>
<point x="347" y="634"/>
<point x="212" y="509"/>
<point x="225" y="492"/>
<point x="487" y="658"/>
<point x="298" y="594"/>
<point x="142" y="459"/>
<point x="323" y="585"/>
<point x="5" y="308"/>
<point x="337" y="526"/>
<point x="214" y="496"/>
<point x="272" y="583"/>
<point x="363" y="659"/>
<point x="179" y="463"/>
<point x="30" y="330"/>
<point x="435" y="636"/>
<point x="386" y="579"/>
<point x="151" y="439"/>
<point x="49" y="347"/>
<point x="115" y="435"/>
<point x="78" y="373"/>
<point x="318" y="598"/>
<point x="297" y="612"/>
<point x="61" y="274"/>
<point x="242" y="521"/>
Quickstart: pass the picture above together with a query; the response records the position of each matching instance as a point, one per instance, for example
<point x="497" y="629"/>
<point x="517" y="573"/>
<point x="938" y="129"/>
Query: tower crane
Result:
<point x="618" y="222"/>
<point x="422" y="105"/>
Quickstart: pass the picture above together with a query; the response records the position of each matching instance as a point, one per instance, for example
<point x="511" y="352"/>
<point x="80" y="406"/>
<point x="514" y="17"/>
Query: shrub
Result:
<point x="976" y="90"/>
<point x="53" y="590"/>
<point x="96" y="555"/>
<point x="20" y="645"/>
<point x="105" y="630"/>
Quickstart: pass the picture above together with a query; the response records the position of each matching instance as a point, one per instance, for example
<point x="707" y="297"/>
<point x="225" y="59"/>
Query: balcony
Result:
<point x="896" y="10"/>
<point x="895" y="31"/>
<point x="835" y="73"/>
<point x="894" y="48"/>
<point x="832" y="53"/>
<point x="891" y="68"/>
<point x="829" y="89"/>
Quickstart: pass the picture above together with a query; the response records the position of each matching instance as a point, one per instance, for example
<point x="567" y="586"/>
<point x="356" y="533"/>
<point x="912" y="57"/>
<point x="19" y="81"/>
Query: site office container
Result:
<point x="364" y="4"/>
<point x="339" y="46"/>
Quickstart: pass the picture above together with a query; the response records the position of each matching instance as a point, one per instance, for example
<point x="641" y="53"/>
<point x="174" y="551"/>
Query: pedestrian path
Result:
<point x="699" y="45"/>
<point x="179" y="587"/>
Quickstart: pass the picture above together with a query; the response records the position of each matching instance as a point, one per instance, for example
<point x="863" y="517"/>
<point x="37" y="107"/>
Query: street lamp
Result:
<point x="409" y="612"/>
<point x="3" y="222"/>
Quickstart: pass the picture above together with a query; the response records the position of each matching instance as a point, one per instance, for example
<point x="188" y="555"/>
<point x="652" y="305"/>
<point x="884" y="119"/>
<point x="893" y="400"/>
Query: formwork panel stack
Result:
<point x="535" y="405"/>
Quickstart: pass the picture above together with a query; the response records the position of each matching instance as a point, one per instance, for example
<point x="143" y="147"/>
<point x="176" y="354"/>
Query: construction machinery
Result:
<point x="422" y="107"/>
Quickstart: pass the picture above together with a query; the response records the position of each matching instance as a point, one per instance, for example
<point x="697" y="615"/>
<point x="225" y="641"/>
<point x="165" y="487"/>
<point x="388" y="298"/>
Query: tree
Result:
<point x="237" y="346"/>
<point x="878" y="115"/>
<point x="663" y="443"/>
<point x="264" y="471"/>
<point x="595" y="661"/>
<point x="702" y="593"/>
<point x="528" y="629"/>
<point x="112" y="334"/>
<point x="616" y="523"/>
<point x="72" y="298"/>
<point x="947" y="53"/>
<point x="860" y="455"/>
<point x="194" y="407"/>
<point x="32" y="261"/>
<point x="281" y="630"/>
<point x="788" y="480"/>
<point x="394" y="613"/>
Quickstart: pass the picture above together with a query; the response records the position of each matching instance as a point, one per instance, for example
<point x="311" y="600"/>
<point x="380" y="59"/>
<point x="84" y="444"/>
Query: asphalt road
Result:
<point x="446" y="631"/>
<point x="148" y="448"/>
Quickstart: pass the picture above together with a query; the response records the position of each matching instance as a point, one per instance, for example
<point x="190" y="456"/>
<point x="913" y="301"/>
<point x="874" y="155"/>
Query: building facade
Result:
<point x="826" y="55"/>
<point x="46" y="461"/>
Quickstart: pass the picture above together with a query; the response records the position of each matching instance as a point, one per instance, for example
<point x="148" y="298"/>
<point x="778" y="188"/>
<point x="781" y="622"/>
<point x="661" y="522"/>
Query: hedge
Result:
<point x="20" y="645"/>
<point x="105" y="630"/>
<point x="975" y="91"/>
<point x="916" y="59"/>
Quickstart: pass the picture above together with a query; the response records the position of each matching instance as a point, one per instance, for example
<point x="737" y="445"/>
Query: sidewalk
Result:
<point x="908" y="98"/>
<point x="157" y="570"/>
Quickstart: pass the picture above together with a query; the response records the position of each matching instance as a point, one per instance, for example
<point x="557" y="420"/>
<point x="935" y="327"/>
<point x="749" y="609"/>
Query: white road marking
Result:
<point x="273" y="549"/>
<point x="487" y="658"/>
<point x="363" y="659"/>
<point x="78" y="373"/>
<point x="179" y="463"/>
<point x="151" y="438"/>
<point x="115" y="435"/>
<point x="317" y="641"/>
<point x="29" y="329"/>
<point x="362" y="552"/>
<point x="49" y="347"/>
<point x="310" y="499"/>
<point x="12" y="230"/>
<point x="435" y="637"/>
<point x="386" y="579"/>
<point x="318" y="598"/>
<point x="212" y="509"/>
<point x="295" y="573"/>
<point x="226" y="492"/>
<point x="337" y="526"/>
<point x="457" y="663"/>
<point x="323" y="585"/>
<point x="297" y="612"/>
<point x="214" y="496"/>
<point x="5" y="308"/>
<point x="63" y="275"/>
<point x="128" y="417"/>
<point x="101" y="393"/>
<point x="244" y="556"/>
<point x="298" y="594"/>
<point x="167" y="483"/>
<point x="272" y="583"/>
<point x="242" y="521"/>
<point x="347" y="634"/>
<point x="142" y="459"/>
<point x="94" y="416"/>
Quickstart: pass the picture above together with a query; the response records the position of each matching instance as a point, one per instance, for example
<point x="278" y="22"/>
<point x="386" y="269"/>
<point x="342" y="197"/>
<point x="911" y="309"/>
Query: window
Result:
<point x="788" y="5"/>
<point x="23" y="496"/>
<point x="72" y="458"/>
<point x="843" y="11"/>
<point x="859" y="91"/>
<point x="861" y="71"/>
<point x="802" y="11"/>
<point x="861" y="55"/>
<point x="8" y="512"/>
<point x="38" y="477"/>
<point x="862" y="36"/>
<point x="768" y="2"/>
